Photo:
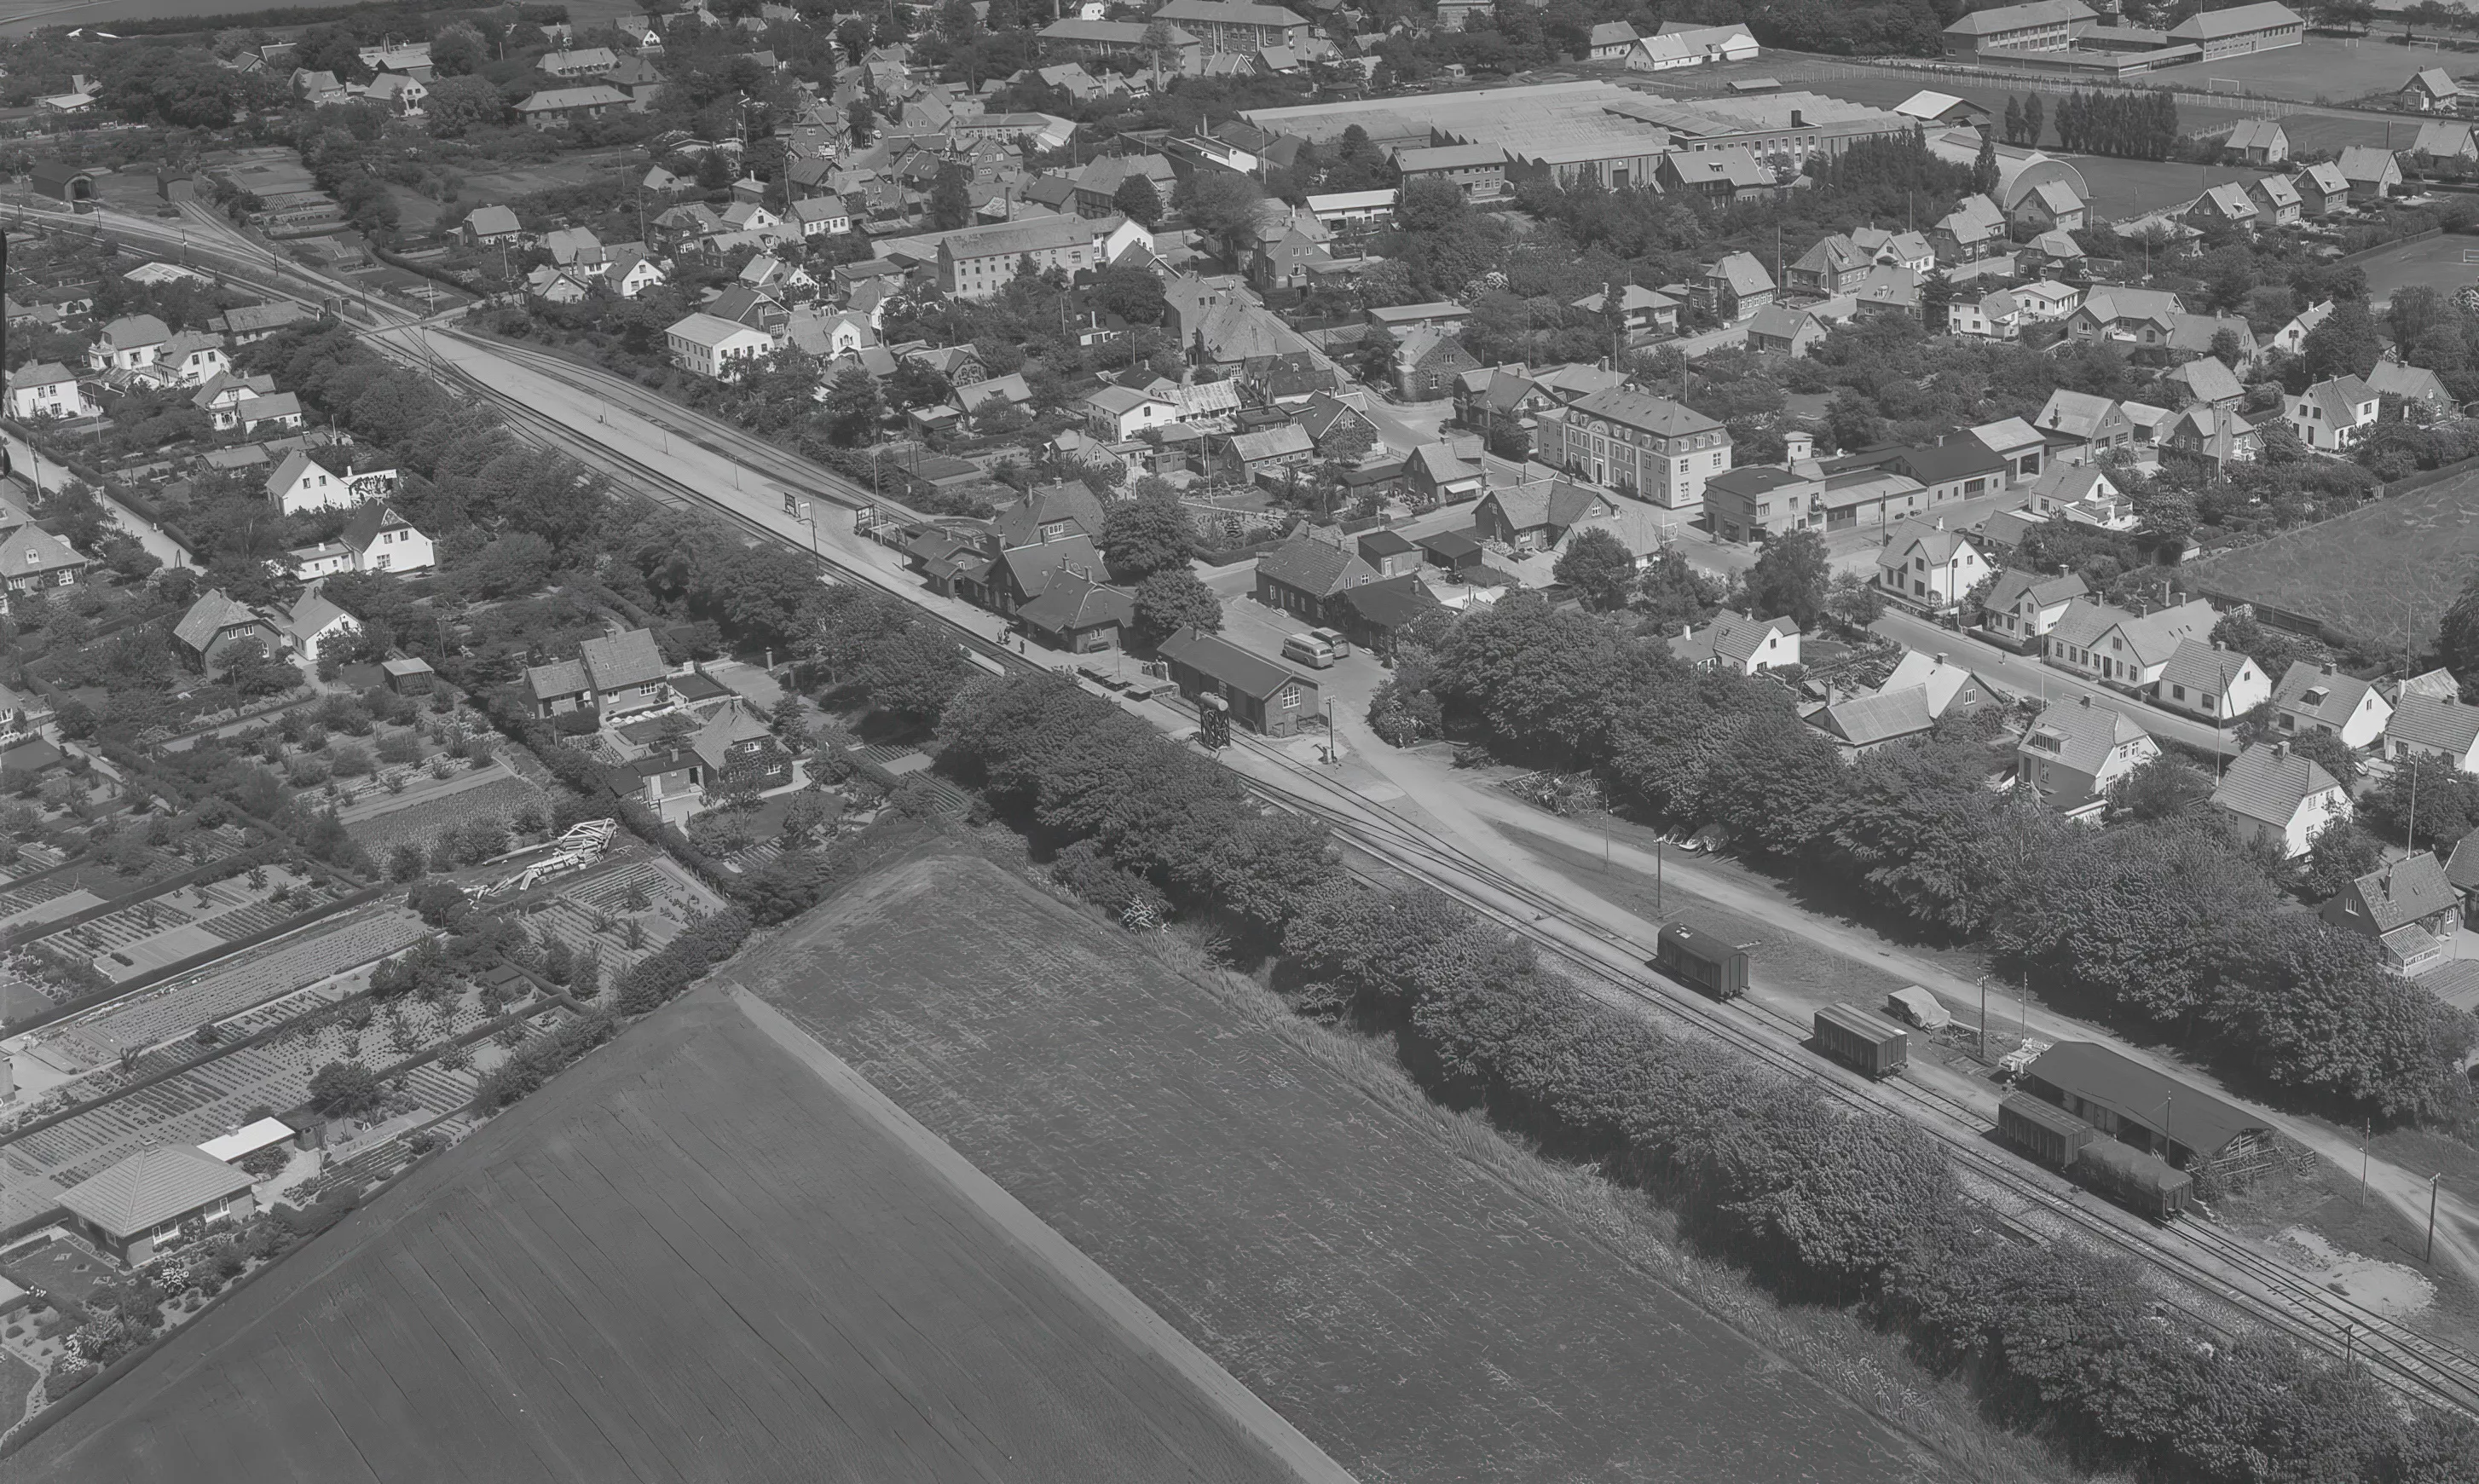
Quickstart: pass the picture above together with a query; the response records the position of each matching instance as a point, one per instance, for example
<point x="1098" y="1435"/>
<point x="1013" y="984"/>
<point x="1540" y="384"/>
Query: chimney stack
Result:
<point x="2087" y="700"/>
<point x="1940" y="659"/>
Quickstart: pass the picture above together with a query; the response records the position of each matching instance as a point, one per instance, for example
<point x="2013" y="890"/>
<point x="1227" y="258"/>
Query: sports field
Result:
<point x="1411" y="1311"/>
<point x="2334" y="70"/>
<point x="2391" y="564"/>
<point x="2437" y="263"/>
<point x="693" y="1256"/>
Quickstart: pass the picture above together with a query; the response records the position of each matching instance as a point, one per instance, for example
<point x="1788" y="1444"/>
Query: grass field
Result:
<point x="2334" y="71"/>
<point x="690" y="1258"/>
<point x="1415" y="1316"/>
<point x="2366" y="574"/>
<point x="2436" y="263"/>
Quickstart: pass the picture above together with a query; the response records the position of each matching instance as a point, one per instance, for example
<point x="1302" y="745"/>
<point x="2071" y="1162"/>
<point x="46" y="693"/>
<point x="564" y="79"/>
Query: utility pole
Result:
<point x="2431" y="1215"/>
<point x="1983" y="1017"/>
<point x="2366" y="1130"/>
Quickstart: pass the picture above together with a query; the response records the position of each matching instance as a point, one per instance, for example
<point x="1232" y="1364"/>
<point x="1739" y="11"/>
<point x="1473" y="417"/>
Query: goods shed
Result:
<point x="2209" y="1136"/>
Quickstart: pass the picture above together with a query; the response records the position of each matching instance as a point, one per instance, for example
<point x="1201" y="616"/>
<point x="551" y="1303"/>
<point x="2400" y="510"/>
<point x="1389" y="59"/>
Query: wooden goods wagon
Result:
<point x="1713" y="964"/>
<point x="2143" y="1183"/>
<point x="1869" y="1043"/>
<point x="2043" y="1130"/>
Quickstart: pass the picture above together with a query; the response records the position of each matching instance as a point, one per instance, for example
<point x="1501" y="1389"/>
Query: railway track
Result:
<point x="2281" y="1298"/>
<point x="2195" y="1255"/>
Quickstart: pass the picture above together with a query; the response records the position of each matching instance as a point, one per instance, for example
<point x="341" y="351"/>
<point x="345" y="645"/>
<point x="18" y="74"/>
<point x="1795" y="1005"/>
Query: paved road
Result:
<point x="46" y="474"/>
<point x="2032" y="679"/>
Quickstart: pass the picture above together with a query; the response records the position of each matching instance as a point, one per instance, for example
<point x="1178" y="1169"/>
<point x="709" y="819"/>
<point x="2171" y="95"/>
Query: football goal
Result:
<point x="2235" y="86"/>
<point x="2470" y="255"/>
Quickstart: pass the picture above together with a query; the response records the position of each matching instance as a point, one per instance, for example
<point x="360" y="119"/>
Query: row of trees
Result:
<point x="1864" y="1215"/>
<point x="2139" y="125"/>
<point x="2165" y="922"/>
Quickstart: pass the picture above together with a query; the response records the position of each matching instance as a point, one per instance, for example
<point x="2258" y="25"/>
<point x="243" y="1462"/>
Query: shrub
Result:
<point x="708" y="938"/>
<point x="344" y="1089"/>
<point x="537" y="1059"/>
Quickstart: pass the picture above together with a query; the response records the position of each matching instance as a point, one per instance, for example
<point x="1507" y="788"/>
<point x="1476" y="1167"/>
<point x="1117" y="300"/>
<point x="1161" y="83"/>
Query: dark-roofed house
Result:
<point x="2280" y="798"/>
<point x="216" y="623"/>
<point x="1263" y="695"/>
<point x="1536" y="514"/>
<point x="2320" y="697"/>
<point x="34" y="559"/>
<point x="2076" y="749"/>
<point x="1079" y="613"/>
<point x="2407" y="905"/>
<point x="1262" y="453"/>
<point x="1020" y="575"/>
<point x="1634" y="442"/>
<point x="1388" y="553"/>
<point x="2209" y="1138"/>
<point x="2437" y="727"/>
<point x="614" y="675"/>
<point x="2203" y="680"/>
<point x="1375" y="614"/>
<point x="1304" y="575"/>
<point x="138" y="1208"/>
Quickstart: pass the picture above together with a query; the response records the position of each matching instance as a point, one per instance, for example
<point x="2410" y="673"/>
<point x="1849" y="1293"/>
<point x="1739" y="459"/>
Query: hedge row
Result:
<point x="707" y="940"/>
<point x="541" y="1058"/>
<point x="1863" y="1212"/>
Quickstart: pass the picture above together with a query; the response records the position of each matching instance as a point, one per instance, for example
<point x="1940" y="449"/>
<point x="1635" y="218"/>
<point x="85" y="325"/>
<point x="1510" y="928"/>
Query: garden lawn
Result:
<point x="2378" y="577"/>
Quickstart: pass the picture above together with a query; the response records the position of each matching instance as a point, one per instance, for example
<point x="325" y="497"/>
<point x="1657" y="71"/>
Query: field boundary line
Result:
<point x="1087" y="1279"/>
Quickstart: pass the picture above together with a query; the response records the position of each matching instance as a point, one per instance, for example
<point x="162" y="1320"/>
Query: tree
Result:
<point x="1599" y="567"/>
<point x="2344" y="344"/>
<point x="2337" y="855"/>
<point x="2034" y="120"/>
<point x="1146" y="535"/>
<point x="2162" y="787"/>
<point x="457" y="50"/>
<point x="1218" y="202"/>
<point x="853" y="406"/>
<point x="2014" y="120"/>
<point x="2327" y="750"/>
<point x="247" y="669"/>
<point x="1671" y="592"/>
<point x="1139" y="201"/>
<point x="1791" y="578"/>
<point x="861" y="119"/>
<point x="854" y="35"/>
<point x="458" y="104"/>
<point x="1983" y="170"/>
<point x="341" y="1089"/>
<point x="951" y="199"/>
<point x="1174" y="598"/>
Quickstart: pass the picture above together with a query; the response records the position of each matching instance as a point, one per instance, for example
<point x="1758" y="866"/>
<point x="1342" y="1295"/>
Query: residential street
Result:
<point x="2035" y="680"/>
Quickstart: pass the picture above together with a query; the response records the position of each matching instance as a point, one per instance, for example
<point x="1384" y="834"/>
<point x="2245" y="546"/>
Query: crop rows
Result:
<point x="421" y="819"/>
<point x="224" y="989"/>
<point x="27" y="898"/>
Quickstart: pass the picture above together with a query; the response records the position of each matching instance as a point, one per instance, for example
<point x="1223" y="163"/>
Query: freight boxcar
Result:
<point x="1713" y="964"/>
<point x="1870" y="1043"/>
<point x="2043" y="1130"/>
<point x="2143" y="1183"/>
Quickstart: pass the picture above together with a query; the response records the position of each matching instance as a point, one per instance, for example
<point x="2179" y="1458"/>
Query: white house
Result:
<point x="2076" y="749"/>
<point x="2021" y="608"/>
<point x="1929" y="567"/>
<point x="384" y="541"/>
<point x="717" y="348"/>
<point x="47" y="389"/>
<point x="2320" y="697"/>
<point x="2279" y="796"/>
<point x="1117" y="414"/>
<point x="822" y="216"/>
<point x="301" y="483"/>
<point x="193" y="358"/>
<point x="2203" y="680"/>
<point x="632" y="273"/>
<point x="2332" y="415"/>
<point x="130" y="343"/>
<point x="2126" y="648"/>
<point x="1740" y="644"/>
<point x="2439" y="727"/>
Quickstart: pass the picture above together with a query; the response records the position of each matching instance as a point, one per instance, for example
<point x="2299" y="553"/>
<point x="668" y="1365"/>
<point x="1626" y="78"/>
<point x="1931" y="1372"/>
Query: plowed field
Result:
<point x="697" y="1256"/>
<point x="1410" y="1311"/>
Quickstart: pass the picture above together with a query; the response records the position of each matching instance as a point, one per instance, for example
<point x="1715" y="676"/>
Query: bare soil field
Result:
<point x="2382" y="574"/>
<point x="1361" y="1270"/>
<point x="691" y="1257"/>
<point x="515" y="182"/>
